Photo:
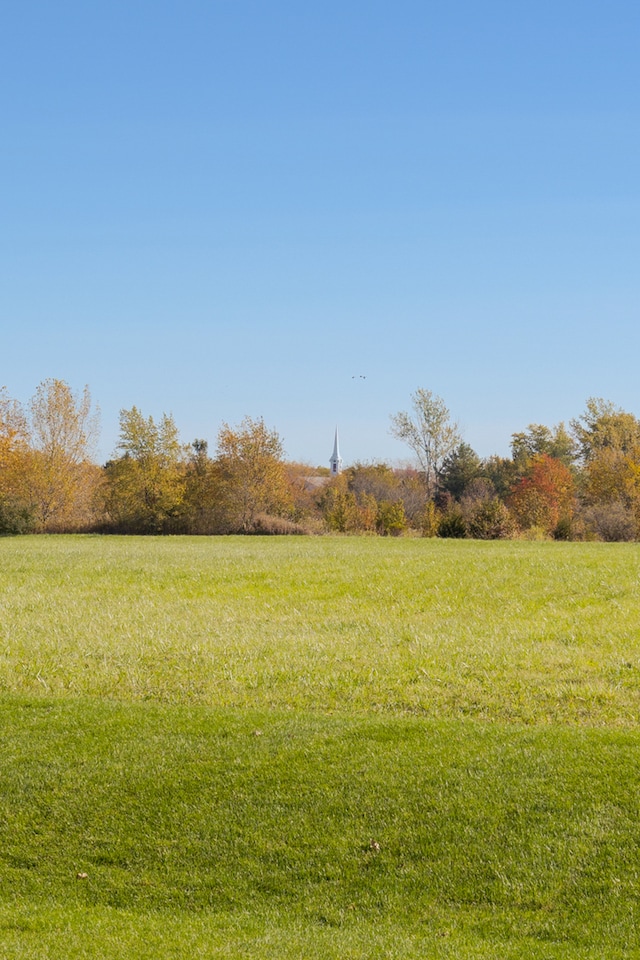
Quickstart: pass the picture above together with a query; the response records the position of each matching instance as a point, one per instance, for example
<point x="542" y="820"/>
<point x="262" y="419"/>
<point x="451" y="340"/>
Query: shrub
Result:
<point x="265" y="524"/>
<point x="391" y="518"/>
<point x="613" y="522"/>
<point x="15" y="517"/>
<point x="563" y="529"/>
<point x="490" y="520"/>
<point x="429" y="520"/>
<point x="453" y="525"/>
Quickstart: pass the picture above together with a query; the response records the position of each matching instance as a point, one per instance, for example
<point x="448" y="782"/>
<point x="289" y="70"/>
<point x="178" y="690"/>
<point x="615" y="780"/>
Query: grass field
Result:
<point x="333" y="747"/>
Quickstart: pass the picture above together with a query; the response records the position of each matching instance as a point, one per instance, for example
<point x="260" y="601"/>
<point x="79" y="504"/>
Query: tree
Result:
<point x="605" y="426"/>
<point x="502" y="473"/>
<point x="459" y="469"/>
<point x="543" y="496"/>
<point x="538" y="439"/>
<point x="16" y="510"/>
<point x="391" y="520"/>
<point x="200" y="504"/>
<point x="60" y="475"/>
<point x="429" y="432"/>
<point x="144" y="488"/>
<point x="340" y="509"/>
<point x="251" y="474"/>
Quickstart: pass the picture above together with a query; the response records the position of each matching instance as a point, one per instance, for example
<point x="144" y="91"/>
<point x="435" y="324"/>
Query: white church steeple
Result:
<point x="336" y="459"/>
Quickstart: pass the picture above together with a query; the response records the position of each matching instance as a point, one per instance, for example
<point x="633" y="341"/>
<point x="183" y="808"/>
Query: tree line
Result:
<point x="575" y="482"/>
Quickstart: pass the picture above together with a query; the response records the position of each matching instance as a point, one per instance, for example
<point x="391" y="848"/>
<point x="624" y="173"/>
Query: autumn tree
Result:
<point x="429" y="432"/>
<point x="251" y="474"/>
<point x="340" y="510"/>
<point x="543" y="496"/>
<point x="609" y="442"/>
<point x="200" y="507"/>
<point x="391" y="519"/>
<point x="604" y="426"/>
<point x="16" y="510"/>
<point x="144" y="487"/>
<point x="60" y="475"/>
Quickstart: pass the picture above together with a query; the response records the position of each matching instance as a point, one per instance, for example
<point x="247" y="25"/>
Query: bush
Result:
<point x="563" y="529"/>
<point x="490" y="520"/>
<point x="613" y="522"/>
<point x="429" y="520"/>
<point x="15" y="517"/>
<point x="391" y="520"/>
<point x="266" y="525"/>
<point x="534" y="533"/>
<point x="453" y="526"/>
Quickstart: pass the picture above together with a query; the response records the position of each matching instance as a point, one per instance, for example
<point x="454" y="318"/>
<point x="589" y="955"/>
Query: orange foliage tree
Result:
<point x="543" y="496"/>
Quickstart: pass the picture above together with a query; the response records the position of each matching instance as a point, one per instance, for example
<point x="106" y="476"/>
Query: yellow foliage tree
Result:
<point x="60" y="476"/>
<point x="251" y="474"/>
<point x="16" y="514"/>
<point x="143" y="489"/>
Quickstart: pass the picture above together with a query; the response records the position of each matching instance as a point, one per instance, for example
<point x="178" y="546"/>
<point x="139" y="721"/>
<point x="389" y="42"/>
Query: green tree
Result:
<point x="459" y="469"/>
<point x="429" y="432"/>
<point x="538" y="439"/>
<point x="502" y="472"/>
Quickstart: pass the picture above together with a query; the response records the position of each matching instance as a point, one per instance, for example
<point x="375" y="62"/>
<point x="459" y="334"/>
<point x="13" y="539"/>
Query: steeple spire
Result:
<point x="336" y="459"/>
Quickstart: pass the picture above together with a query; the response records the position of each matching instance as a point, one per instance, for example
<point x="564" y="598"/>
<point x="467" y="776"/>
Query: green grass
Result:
<point x="220" y="733"/>
<point x="524" y="632"/>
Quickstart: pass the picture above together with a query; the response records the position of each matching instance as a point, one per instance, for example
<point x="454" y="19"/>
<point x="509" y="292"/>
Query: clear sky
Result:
<point x="224" y="207"/>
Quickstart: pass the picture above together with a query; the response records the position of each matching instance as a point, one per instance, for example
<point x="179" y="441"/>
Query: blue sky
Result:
<point x="235" y="207"/>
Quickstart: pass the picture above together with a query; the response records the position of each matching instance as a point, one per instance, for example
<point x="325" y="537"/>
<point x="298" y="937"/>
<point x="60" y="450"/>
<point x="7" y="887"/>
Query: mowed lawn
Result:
<point x="332" y="747"/>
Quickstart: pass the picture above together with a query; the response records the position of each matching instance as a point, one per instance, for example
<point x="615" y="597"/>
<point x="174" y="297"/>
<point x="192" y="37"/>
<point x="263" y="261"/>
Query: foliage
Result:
<point x="16" y="512"/>
<point x="15" y="517"/>
<point x="612" y="521"/>
<point x="543" y="495"/>
<point x="374" y="484"/>
<point x="155" y="484"/>
<point x="429" y="432"/>
<point x="430" y="520"/>
<point x="538" y="440"/>
<point x="489" y="519"/>
<point x="453" y="525"/>
<point x="341" y="510"/>
<point x="59" y="479"/>
<point x="502" y="473"/>
<point x="460" y="468"/>
<point x="198" y="500"/>
<point x="391" y="519"/>
<point x="609" y="475"/>
<point x="251" y="473"/>
<point x="605" y="426"/>
<point x="143" y="489"/>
